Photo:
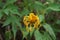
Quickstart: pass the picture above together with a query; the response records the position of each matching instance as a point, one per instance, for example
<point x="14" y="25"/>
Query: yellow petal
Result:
<point x="25" y="20"/>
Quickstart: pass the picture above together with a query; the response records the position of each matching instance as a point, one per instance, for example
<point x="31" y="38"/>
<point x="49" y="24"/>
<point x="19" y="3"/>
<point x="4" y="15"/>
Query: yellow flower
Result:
<point x="30" y="20"/>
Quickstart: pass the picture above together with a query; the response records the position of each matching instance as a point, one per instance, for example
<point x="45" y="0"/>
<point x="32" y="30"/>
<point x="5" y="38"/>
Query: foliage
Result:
<point x="12" y="13"/>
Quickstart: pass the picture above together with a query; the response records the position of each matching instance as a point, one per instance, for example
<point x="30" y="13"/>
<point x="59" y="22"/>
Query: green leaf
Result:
<point x="12" y="9"/>
<point x="54" y="7"/>
<point x="38" y="3"/>
<point x="58" y="21"/>
<point x="41" y="17"/>
<point x="1" y="14"/>
<point x="56" y="30"/>
<point x="18" y="24"/>
<point x="38" y="35"/>
<point x="8" y="35"/>
<point x="25" y="12"/>
<point x="25" y="33"/>
<point x="38" y="6"/>
<point x="14" y="29"/>
<point x="46" y="36"/>
<point x="0" y="0"/>
<point x="7" y="22"/>
<point x="50" y="1"/>
<point x="32" y="32"/>
<point x="15" y="20"/>
<point x="1" y="4"/>
<point x="49" y="30"/>
<point x="6" y="11"/>
<point x="10" y="1"/>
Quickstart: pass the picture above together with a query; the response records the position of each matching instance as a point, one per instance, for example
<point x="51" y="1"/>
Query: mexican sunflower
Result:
<point x="31" y="20"/>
